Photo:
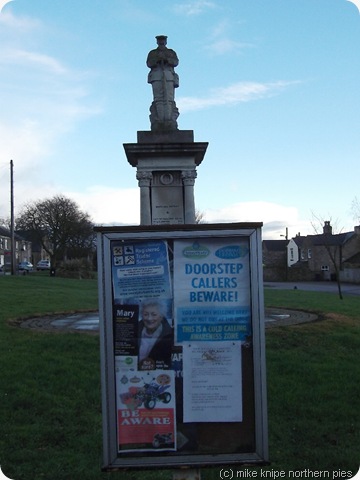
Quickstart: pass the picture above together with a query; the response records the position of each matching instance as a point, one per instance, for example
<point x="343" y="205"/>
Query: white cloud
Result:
<point x="193" y="8"/>
<point x="105" y="205"/>
<point x="108" y="205"/>
<point x="225" y="45"/>
<point x="275" y="218"/>
<point x="220" y="42"/>
<point x="41" y="101"/>
<point x="16" y="23"/>
<point x="28" y="59"/>
<point x="232" y="95"/>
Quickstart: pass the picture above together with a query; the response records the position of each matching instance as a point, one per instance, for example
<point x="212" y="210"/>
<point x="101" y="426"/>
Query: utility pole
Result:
<point x="12" y="223"/>
<point x="286" y="255"/>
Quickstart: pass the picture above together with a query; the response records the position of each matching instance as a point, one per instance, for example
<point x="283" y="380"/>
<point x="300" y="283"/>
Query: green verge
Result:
<point x="313" y="374"/>
<point x="50" y="409"/>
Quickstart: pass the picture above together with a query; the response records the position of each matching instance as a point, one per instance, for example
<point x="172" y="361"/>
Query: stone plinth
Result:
<point x="175" y="136"/>
<point x="166" y="170"/>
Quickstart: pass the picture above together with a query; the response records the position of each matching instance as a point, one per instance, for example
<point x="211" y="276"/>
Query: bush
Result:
<point x="76" y="268"/>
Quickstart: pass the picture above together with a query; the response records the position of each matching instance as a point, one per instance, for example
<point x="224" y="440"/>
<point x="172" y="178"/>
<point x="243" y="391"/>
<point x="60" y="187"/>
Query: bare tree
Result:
<point x="199" y="216"/>
<point x="5" y="222"/>
<point x="332" y="244"/>
<point x="355" y="208"/>
<point x="60" y="227"/>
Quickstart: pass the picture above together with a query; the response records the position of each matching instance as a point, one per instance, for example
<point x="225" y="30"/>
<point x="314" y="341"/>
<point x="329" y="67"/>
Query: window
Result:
<point x="309" y="252"/>
<point x="324" y="268"/>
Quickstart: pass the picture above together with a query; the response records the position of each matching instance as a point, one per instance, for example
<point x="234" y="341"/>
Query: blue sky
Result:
<point x="272" y="85"/>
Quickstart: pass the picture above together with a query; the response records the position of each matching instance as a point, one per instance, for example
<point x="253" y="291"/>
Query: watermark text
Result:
<point x="233" y="474"/>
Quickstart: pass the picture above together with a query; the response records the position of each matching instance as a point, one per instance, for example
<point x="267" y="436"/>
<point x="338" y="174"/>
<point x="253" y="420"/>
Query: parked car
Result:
<point x="43" y="265"/>
<point x="25" y="266"/>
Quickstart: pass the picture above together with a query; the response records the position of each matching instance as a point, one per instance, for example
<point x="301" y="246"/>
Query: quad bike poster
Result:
<point x="145" y="409"/>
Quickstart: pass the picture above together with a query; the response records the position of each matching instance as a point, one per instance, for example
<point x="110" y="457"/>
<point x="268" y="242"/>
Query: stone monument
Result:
<point x="162" y="62"/>
<point x="165" y="157"/>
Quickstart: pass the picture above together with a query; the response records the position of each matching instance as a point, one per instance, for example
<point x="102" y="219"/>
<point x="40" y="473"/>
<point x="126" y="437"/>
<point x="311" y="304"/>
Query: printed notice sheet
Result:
<point x="211" y="290"/>
<point x="212" y="382"/>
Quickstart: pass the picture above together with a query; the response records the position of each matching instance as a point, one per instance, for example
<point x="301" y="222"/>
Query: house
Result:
<point x="38" y="251"/>
<point x="23" y="250"/>
<point x="324" y="256"/>
<point x="351" y="271"/>
<point x="314" y="257"/>
<point x="274" y="260"/>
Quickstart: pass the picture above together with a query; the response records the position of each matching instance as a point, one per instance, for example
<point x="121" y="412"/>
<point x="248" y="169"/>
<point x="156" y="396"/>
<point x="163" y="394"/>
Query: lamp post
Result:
<point x="286" y="257"/>
<point x="12" y="227"/>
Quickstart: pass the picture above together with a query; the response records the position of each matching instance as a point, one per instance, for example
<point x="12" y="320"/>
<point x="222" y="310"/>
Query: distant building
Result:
<point x="38" y="251"/>
<point x="275" y="260"/>
<point x="314" y="257"/>
<point x="23" y="249"/>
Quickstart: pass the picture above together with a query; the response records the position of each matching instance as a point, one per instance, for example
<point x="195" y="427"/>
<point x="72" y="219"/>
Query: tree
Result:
<point x="355" y="208"/>
<point x="5" y="222"/>
<point x="60" y="226"/>
<point x="199" y="216"/>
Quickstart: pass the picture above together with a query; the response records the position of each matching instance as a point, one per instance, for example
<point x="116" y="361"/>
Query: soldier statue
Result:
<point x="164" y="80"/>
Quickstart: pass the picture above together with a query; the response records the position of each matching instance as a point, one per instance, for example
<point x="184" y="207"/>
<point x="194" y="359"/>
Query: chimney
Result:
<point x="327" y="229"/>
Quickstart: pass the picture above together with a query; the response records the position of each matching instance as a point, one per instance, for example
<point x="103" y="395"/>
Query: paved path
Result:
<point x="89" y="322"/>
<point x="86" y="322"/>
<point x="330" y="287"/>
<point x="274" y="317"/>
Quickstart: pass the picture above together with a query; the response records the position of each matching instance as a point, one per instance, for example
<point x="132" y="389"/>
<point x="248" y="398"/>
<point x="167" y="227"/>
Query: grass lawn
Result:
<point x="50" y="420"/>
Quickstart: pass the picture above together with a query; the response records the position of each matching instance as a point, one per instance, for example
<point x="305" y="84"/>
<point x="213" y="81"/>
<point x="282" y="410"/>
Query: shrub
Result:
<point x="76" y="268"/>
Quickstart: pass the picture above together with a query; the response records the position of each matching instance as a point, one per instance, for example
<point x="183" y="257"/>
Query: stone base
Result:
<point x="166" y="164"/>
<point x="172" y="136"/>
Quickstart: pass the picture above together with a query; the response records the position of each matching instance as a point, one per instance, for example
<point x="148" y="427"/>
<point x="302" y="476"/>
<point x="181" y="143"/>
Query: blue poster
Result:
<point x="211" y="290"/>
<point x="140" y="270"/>
<point x="142" y="303"/>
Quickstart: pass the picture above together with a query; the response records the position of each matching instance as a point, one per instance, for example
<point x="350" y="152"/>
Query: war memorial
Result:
<point x="181" y="313"/>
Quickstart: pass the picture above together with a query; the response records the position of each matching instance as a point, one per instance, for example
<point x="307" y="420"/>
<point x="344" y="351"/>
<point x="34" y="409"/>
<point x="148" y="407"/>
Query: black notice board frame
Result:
<point x="214" y="443"/>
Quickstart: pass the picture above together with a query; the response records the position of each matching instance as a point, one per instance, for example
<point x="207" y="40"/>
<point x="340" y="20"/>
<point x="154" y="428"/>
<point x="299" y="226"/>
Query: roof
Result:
<point x="5" y="232"/>
<point x="275" y="245"/>
<point x="299" y="240"/>
<point x="354" y="260"/>
<point x="324" y="239"/>
<point x="337" y="239"/>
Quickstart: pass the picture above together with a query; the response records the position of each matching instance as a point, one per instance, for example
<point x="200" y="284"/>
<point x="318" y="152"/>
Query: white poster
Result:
<point x="212" y="382"/>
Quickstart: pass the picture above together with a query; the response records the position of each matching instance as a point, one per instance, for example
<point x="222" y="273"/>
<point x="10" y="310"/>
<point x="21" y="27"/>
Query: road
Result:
<point x="331" y="287"/>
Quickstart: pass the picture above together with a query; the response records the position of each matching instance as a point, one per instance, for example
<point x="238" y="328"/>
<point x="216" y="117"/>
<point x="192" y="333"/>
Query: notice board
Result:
<point x="182" y="345"/>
